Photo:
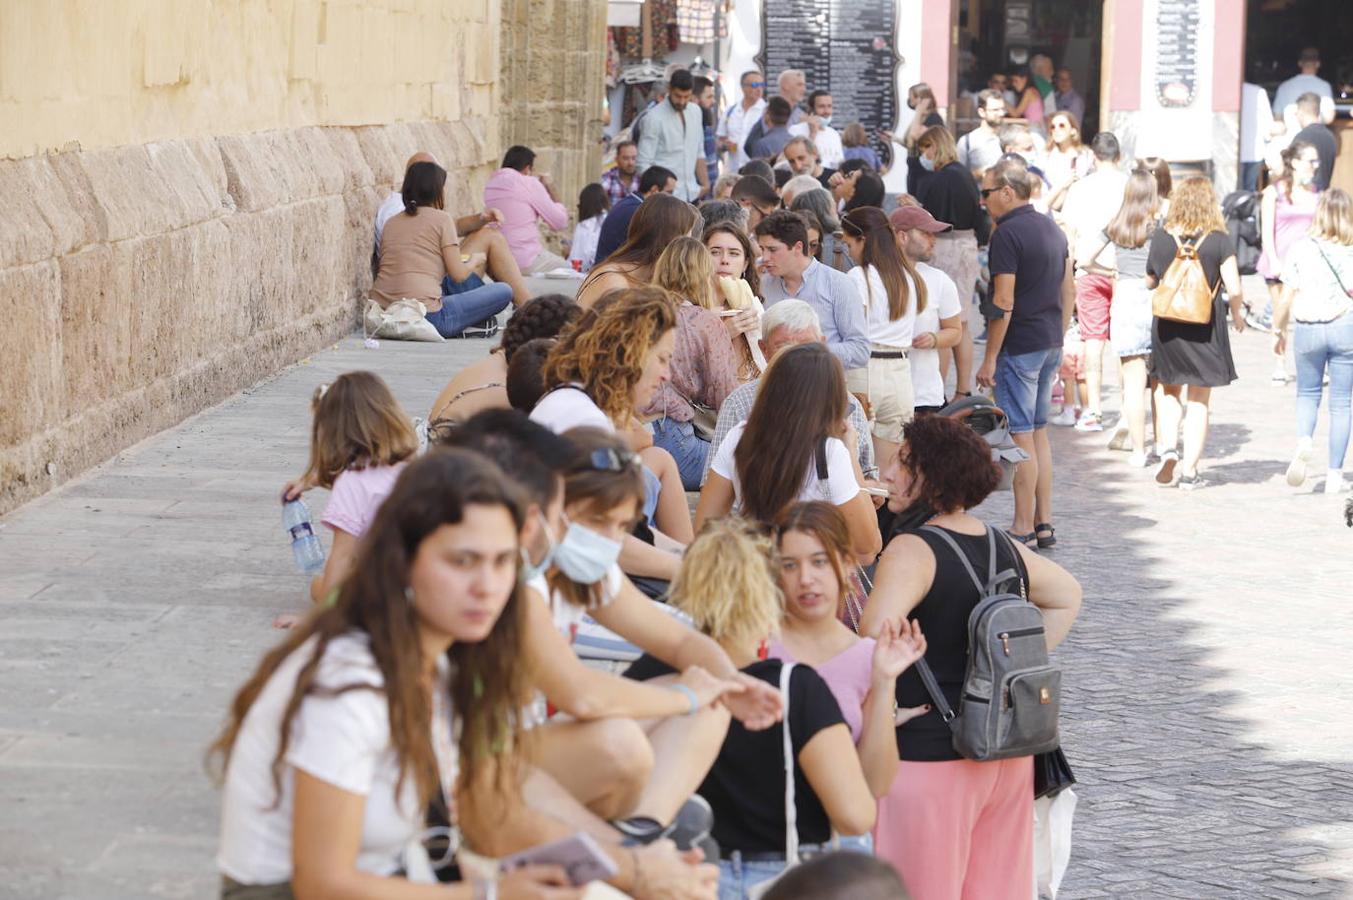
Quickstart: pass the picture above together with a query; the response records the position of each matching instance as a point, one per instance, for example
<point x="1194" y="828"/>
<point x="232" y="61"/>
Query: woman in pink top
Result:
<point x="1030" y="106"/>
<point x="814" y="551"/>
<point x="359" y="442"/>
<point x="1286" y="210"/>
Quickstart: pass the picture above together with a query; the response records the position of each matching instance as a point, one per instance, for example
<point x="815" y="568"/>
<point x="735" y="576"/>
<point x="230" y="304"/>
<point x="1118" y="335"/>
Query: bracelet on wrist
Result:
<point x="689" y="694"/>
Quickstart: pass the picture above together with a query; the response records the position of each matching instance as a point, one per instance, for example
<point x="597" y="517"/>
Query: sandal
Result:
<point x="1046" y="541"/>
<point x="1029" y="540"/>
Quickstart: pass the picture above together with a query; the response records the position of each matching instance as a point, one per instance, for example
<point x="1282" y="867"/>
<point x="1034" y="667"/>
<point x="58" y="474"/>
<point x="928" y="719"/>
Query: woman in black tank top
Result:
<point x="949" y="825"/>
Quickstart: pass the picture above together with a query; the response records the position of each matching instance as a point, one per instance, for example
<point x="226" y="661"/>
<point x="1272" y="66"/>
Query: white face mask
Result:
<point x="585" y="556"/>
<point x="927" y="163"/>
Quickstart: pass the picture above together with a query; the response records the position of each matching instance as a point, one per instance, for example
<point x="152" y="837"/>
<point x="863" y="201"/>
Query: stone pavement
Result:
<point x="1204" y="680"/>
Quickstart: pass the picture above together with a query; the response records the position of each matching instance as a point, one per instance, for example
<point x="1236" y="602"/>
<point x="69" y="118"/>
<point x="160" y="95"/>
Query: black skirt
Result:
<point x="1197" y="355"/>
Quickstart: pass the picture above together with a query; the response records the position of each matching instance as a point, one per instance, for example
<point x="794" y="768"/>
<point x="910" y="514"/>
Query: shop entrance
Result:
<point x="999" y="35"/>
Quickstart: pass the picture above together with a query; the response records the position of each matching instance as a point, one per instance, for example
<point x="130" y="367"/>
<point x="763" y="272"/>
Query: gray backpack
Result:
<point x="1011" y="693"/>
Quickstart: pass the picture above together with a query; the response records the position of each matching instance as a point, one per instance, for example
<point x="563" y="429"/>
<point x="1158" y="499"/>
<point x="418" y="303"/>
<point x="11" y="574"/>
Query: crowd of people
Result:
<point x="727" y="467"/>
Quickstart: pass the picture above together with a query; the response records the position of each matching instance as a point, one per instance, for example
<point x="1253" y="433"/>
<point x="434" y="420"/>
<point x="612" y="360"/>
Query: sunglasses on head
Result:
<point x="607" y="459"/>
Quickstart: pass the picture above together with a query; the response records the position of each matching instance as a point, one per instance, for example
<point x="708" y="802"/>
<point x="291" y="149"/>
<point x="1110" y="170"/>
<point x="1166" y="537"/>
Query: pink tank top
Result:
<point x="1291" y="221"/>
<point x="847" y="675"/>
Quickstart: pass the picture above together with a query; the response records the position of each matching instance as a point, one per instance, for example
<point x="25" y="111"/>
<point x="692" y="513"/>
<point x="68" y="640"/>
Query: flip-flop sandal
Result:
<point x="1029" y="540"/>
<point x="1045" y="543"/>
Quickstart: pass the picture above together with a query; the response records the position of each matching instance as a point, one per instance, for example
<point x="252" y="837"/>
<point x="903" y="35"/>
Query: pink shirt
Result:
<point x="847" y="675"/>
<point x="356" y="496"/>
<point x="522" y="199"/>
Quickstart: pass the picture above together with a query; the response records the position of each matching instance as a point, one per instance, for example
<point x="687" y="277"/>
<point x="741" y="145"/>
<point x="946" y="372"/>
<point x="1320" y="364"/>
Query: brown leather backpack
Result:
<point x="1183" y="294"/>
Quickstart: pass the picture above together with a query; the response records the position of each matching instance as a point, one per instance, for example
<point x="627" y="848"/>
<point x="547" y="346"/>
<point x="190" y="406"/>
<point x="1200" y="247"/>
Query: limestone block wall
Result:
<point x="141" y="284"/>
<point x="553" y="74"/>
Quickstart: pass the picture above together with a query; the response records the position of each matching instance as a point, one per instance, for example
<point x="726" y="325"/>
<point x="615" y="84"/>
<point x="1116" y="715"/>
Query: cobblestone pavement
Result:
<point x="1206" y="680"/>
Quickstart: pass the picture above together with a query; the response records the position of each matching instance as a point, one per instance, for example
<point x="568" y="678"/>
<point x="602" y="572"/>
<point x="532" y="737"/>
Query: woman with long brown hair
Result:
<point x="735" y="257"/>
<point x="1182" y="353"/>
<point x="1067" y="158"/>
<point x="1130" y="319"/>
<point x="337" y="744"/>
<point x="793" y="447"/>
<point x="893" y="295"/>
<point x="660" y="219"/>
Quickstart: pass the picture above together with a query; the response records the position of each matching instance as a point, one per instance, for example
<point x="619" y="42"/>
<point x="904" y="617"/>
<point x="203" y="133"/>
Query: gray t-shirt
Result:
<point x="1131" y="260"/>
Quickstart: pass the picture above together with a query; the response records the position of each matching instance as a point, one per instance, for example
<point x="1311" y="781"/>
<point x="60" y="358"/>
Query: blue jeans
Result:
<point x="690" y="453"/>
<point x="469" y="303"/>
<point x="1024" y="387"/>
<point x="737" y="876"/>
<point x="1249" y="175"/>
<point x="1315" y="347"/>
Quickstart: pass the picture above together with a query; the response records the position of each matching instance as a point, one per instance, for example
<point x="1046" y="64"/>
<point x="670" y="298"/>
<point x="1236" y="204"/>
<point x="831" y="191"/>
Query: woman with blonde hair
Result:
<point x="855" y="145"/>
<point x="946" y="189"/>
<point x="1183" y="353"/>
<point x="1317" y="279"/>
<point x="704" y="368"/>
<point x="728" y="586"/>
<point x="926" y="114"/>
<point x="660" y="219"/>
<point x="1067" y="158"/>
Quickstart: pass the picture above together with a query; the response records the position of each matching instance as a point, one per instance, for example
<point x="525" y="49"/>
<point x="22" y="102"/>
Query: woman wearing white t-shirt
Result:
<point x="893" y="295"/>
<point x="940" y="324"/>
<point x="338" y="742"/>
<point x="791" y="449"/>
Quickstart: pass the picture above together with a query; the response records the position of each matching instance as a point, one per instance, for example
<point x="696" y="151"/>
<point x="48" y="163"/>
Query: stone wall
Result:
<point x="187" y="189"/>
<point x="553" y="72"/>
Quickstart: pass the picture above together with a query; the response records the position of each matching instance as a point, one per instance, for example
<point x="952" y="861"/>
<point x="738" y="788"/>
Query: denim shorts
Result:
<point x="1024" y="387"/>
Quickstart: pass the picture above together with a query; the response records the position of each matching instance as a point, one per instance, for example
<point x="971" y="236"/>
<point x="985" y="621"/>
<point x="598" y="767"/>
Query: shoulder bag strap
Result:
<point x="962" y="557"/>
<point x="1333" y="271"/>
<point x="791" y="808"/>
<point x="820" y="459"/>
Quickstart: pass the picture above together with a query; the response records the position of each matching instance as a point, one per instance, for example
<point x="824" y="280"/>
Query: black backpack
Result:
<point x="1241" y="211"/>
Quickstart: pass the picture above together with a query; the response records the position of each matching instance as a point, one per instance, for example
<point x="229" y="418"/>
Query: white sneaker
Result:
<point x="1090" y="421"/>
<point x="1067" y="417"/>
<point x="1334" y="481"/>
<point x="1296" y="470"/>
<point x="1137" y="460"/>
<point x="1280" y="375"/>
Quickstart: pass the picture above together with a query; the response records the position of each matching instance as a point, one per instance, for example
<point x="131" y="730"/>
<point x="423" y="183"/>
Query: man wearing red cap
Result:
<point x="939" y="325"/>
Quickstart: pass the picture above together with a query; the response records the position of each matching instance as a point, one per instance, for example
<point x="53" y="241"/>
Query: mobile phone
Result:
<point x="579" y="856"/>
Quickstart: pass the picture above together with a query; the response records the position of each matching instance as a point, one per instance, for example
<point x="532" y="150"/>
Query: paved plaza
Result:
<point x="1205" y="684"/>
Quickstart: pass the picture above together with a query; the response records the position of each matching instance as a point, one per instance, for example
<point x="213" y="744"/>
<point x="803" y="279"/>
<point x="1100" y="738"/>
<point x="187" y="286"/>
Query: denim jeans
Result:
<point x="465" y="308"/>
<point x="1024" y="387"/>
<point x="1249" y="175"/>
<point x="737" y="876"/>
<point x="690" y="453"/>
<point x="1315" y="347"/>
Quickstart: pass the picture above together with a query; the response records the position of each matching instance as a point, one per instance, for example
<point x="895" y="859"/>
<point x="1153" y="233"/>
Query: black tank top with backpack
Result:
<point x="943" y="614"/>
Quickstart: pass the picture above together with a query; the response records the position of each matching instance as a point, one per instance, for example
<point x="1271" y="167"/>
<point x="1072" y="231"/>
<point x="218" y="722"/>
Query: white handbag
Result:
<point x="403" y="320"/>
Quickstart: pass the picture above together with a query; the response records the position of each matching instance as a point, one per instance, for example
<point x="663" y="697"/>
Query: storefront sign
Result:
<point x="843" y="46"/>
<point x="1177" y="36"/>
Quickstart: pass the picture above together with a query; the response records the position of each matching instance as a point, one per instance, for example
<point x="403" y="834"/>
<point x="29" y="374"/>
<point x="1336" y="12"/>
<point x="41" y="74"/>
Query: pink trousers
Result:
<point x="960" y="830"/>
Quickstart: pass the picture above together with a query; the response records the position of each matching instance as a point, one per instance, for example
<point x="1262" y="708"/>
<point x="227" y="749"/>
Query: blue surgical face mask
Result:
<point x="825" y="120"/>
<point x="927" y="163"/>
<point x="530" y="570"/>
<point x="585" y="556"/>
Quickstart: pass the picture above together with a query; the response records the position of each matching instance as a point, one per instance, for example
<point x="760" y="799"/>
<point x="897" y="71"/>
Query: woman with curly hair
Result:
<point x="607" y="366"/>
<point x="337" y="744"/>
<point x="659" y="220"/>
<point x="1183" y="353"/>
<point x="483" y="384"/>
<point x="951" y="826"/>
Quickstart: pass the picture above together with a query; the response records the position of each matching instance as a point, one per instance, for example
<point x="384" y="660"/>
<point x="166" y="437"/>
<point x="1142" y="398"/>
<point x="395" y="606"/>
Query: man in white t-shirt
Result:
<point x="980" y="148"/>
<point x="740" y="118"/>
<point x="1256" y="127"/>
<point x="480" y="240"/>
<point x="939" y="325"/>
<point x="1091" y="203"/>
<point x="1306" y="82"/>
<point x="830" y="151"/>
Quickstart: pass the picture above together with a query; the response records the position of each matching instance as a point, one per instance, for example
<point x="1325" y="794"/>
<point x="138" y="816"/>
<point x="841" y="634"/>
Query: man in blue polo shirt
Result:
<point x="616" y="225"/>
<point x="792" y="272"/>
<point x="1032" y="283"/>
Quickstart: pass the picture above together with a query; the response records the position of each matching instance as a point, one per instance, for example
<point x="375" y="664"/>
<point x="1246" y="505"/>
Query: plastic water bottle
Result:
<point x="305" y="544"/>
